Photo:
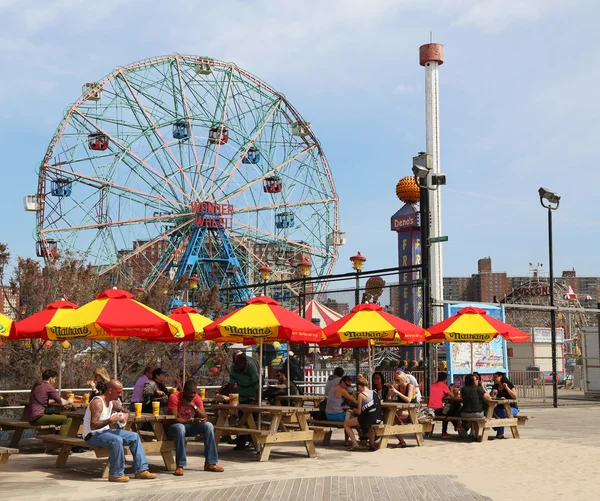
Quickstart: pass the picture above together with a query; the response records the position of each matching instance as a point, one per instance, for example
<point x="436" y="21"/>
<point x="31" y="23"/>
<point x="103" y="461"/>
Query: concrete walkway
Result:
<point x="556" y="458"/>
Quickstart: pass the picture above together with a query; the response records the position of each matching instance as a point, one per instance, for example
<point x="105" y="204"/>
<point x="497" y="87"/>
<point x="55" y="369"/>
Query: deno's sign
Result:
<point x="409" y="221"/>
<point x="540" y="290"/>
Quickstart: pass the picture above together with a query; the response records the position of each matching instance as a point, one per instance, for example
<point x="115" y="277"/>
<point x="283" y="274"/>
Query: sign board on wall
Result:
<point x="487" y="357"/>
<point x="544" y="335"/>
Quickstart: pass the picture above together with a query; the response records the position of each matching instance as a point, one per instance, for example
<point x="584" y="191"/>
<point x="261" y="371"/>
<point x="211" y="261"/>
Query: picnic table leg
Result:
<point x="514" y="430"/>
<point x="412" y="412"/>
<point x="489" y="414"/>
<point x="221" y="420"/>
<point x="309" y="444"/>
<point x="249" y="418"/>
<point x="266" y="448"/>
<point x="161" y="436"/>
<point x="388" y="420"/>
<point x="16" y="438"/>
<point x="63" y="456"/>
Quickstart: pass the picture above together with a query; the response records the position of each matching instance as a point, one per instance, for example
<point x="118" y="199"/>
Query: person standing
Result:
<point x="137" y="396"/>
<point x="42" y="398"/>
<point x="155" y="391"/>
<point x="244" y="377"/>
<point x="99" y="415"/>
<point x="190" y="421"/>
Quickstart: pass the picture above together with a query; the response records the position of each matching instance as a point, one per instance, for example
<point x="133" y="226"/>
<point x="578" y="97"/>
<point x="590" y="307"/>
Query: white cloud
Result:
<point x="403" y="89"/>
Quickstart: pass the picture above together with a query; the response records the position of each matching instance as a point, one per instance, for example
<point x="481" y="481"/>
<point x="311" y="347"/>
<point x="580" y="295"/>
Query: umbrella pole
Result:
<point x="115" y="358"/>
<point x="472" y="368"/>
<point x="287" y="347"/>
<point x="60" y="369"/>
<point x="183" y="378"/>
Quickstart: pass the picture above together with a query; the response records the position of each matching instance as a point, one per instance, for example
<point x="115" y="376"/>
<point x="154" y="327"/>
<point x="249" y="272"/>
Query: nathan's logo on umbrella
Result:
<point x="2" y="329"/>
<point x="473" y="338"/>
<point x="70" y="332"/>
<point x="248" y="331"/>
<point x="353" y="336"/>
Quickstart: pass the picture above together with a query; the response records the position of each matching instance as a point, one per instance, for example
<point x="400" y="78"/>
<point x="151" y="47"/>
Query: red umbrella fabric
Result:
<point x="314" y="309"/>
<point x="34" y="326"/>
<point x="191" y="322"/>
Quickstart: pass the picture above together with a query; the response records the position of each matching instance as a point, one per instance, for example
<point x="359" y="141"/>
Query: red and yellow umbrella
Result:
<point x="7" y="327"/>
<point x="473" y="325"/>
<point x="34" y="326"/>
<point x="113" y="314"/>
<point x="192" y="324"/>
<point x="368" y="322"/>
<point x="263" y="318"/>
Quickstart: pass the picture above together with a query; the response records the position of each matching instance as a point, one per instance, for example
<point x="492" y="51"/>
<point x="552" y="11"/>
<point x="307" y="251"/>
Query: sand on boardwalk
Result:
<point x="558" y="457"/>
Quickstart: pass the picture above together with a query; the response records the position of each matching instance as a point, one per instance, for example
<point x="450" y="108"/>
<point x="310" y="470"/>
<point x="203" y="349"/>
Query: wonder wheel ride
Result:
<point x="185" y="166"/>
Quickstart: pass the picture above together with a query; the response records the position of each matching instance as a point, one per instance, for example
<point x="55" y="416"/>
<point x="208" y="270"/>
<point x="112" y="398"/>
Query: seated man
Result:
<point x="155" y="391"/>
<point x="102" y="411"/>
<point x="279" y="389"/>
<point x="190" y="420"/>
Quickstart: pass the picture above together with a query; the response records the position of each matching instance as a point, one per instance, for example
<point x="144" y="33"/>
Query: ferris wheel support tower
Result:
<point x="431" y="56"/>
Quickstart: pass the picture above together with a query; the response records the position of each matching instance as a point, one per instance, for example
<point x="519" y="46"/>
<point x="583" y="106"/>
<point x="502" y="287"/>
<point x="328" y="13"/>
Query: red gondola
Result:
<point x="98" y="141"/>
<point x="272" y="185"/>
<point x="50" y="249"/>
<point x="216" y="135"/>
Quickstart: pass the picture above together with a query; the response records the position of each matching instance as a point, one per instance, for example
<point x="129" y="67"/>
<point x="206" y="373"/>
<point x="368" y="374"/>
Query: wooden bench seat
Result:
<point x="485" y="424"/>
<point x="229" y="430"/>
<point x="5" y="453"/>
<point x="20" y="426"/>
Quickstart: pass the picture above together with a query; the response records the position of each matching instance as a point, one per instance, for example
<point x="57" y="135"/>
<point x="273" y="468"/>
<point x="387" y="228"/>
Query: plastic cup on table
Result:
<point x="234" y="399"/>
<point x="156" y="408"/>
<point x="138" y="409"/>
<point x="202" y="393"/>
<point x="456" y="392"/>
<point x="86" y="398"/>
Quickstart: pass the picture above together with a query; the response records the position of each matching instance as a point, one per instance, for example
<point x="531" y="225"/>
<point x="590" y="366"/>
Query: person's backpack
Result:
<point x="378" y="409"/>
<point x="320" y="414"/>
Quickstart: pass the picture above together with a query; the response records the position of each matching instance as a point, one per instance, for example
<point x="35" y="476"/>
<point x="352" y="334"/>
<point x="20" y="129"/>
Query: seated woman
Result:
<point x="503" y="388"/>
<point x="99" y="383"/>
<point x="401" y="391"/>
<point x="334" y="409"/>
<point x="473" y="396"/>
<point x="379" y="386"/>
<point x="368" y="413"/>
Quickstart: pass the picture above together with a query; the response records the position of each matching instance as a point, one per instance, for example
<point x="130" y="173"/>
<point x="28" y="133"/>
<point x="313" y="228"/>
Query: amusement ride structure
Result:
<point x="186" y="167"/>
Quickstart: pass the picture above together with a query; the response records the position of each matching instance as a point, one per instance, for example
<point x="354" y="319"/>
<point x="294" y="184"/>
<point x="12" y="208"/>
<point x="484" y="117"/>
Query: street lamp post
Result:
<point x="265" y="276"/>
<point x="551" y="200"/>
<point x="304" y="269"/>
<point x="357" y="264"/>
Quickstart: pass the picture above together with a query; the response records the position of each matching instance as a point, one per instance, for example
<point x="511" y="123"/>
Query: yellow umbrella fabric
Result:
<point x="7" y="326"/>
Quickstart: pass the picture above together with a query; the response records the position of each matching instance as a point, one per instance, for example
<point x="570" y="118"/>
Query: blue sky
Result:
<point x="519" y="106"/>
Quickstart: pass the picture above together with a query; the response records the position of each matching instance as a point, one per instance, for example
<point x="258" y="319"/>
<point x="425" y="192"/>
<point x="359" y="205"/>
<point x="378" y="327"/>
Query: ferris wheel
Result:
<point x="185" y="166"/>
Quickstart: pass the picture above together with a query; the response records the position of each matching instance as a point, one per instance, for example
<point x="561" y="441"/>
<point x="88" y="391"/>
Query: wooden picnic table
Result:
<point x="388" y="428"/>
<point x="300" y="400"/>
<point x="489" y="421"/>
<point x="160" y="442"/>
<point x="264" y="440"/>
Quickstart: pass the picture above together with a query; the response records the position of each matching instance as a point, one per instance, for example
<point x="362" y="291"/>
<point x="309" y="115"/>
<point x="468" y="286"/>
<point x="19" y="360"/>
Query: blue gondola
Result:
<point x="61" y="187"/>
<point x="284" y="220"/>
<point x="181" y="130"/>
<point x="252" y="156"/>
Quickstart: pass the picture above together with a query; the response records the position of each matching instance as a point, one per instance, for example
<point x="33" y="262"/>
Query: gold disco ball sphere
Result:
<point x="407" y="190"/>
